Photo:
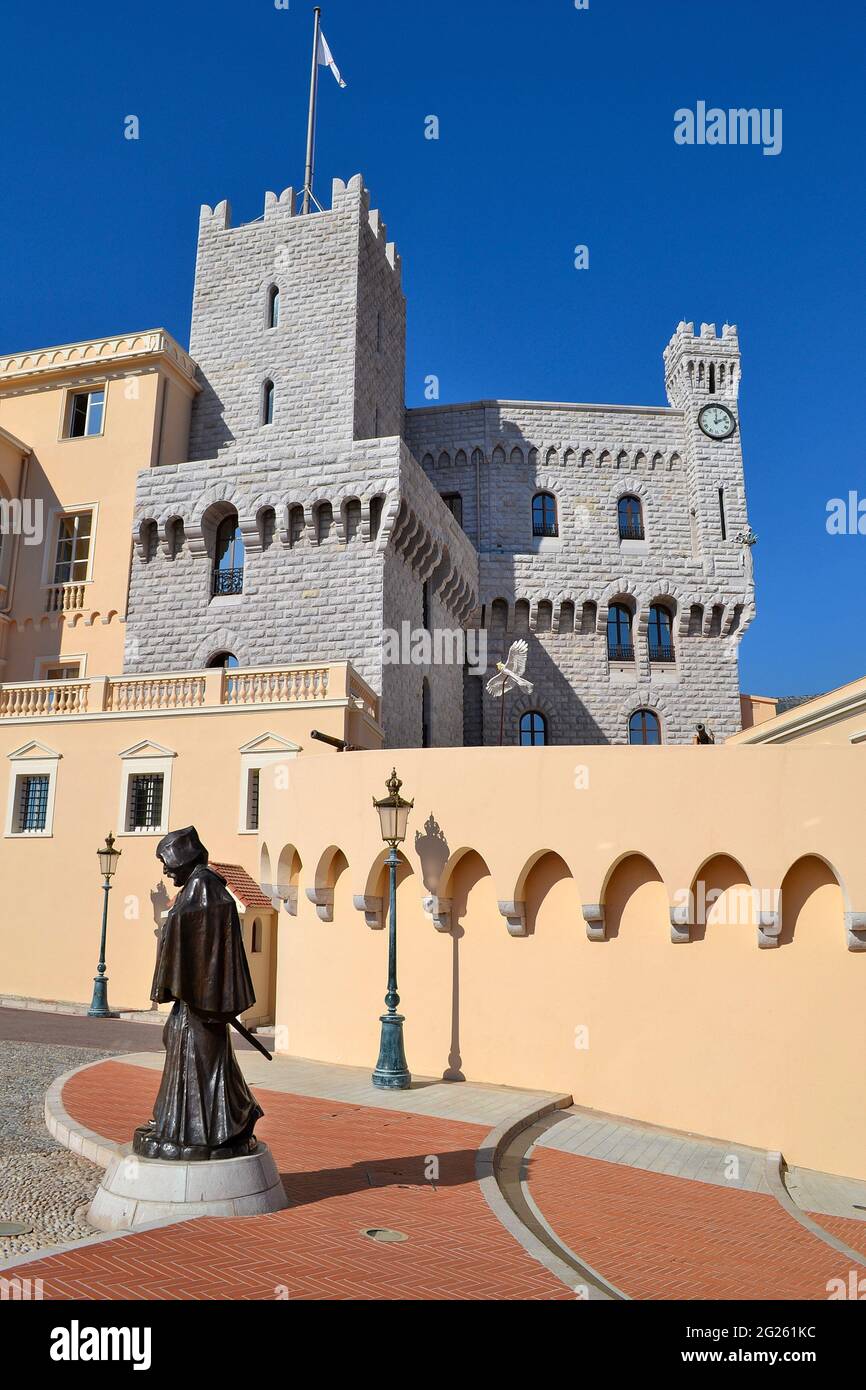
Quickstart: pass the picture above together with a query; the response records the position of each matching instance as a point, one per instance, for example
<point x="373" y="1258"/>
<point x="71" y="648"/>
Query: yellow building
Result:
<point x="77" y="424"/>
<point x="671" y="933"/>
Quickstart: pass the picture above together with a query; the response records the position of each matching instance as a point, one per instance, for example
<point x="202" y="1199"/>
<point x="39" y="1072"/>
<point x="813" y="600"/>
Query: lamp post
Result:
<point x="391" y="1072"/>
<point x="108" y="857"/>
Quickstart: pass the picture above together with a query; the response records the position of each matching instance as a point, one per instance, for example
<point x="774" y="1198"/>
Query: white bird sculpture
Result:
<point x="509" y="676"/>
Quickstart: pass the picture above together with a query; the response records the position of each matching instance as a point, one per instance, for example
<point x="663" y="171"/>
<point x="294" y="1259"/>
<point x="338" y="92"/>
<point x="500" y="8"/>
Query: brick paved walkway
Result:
<point x="345" y="1168"/>
<point x="658" y="1237"/>
<point x="651" y="1211"/>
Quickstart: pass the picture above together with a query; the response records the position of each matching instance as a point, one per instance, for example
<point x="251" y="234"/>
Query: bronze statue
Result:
<point x="204" y="1109"/>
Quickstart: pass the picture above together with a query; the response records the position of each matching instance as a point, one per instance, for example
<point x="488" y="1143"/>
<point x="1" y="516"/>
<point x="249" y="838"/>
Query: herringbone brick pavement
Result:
<point x="660" y="1237"/>
<point x="345" y="1168"/>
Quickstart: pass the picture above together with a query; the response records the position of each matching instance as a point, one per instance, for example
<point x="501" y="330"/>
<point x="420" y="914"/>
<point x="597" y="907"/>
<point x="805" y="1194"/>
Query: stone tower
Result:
<point x="336" y="356"/>
<point x="343" y="539"/>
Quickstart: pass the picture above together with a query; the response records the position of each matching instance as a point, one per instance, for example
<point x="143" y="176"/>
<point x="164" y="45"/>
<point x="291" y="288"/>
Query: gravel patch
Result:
<point x="41" y="1184"/>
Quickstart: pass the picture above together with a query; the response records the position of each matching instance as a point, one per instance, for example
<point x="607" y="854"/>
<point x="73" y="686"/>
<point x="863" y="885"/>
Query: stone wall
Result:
<point x="588" y="457"/>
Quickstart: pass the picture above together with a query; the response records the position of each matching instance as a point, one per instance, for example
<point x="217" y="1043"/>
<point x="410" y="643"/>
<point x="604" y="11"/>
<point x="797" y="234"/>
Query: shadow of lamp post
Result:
<point x="108" y="857"/>
<point x="391" y="1072"/>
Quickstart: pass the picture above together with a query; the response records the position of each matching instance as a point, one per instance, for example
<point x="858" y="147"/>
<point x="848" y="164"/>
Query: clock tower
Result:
<point x="702" y="379"/>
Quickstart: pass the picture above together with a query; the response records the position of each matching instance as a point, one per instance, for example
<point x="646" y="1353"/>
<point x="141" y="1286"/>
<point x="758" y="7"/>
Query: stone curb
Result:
<point x="776" y="1168"/>
<point x="604" y="1284"/>
<point x="486" y="1168"/>
<point x="68" y="1132"/>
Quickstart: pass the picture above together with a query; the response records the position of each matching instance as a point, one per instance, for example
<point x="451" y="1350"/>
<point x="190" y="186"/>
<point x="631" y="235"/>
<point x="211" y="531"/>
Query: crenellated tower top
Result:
<point x="702" y="364"/>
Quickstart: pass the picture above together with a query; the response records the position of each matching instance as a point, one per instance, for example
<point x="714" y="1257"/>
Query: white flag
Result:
<point x="326" y="59"/>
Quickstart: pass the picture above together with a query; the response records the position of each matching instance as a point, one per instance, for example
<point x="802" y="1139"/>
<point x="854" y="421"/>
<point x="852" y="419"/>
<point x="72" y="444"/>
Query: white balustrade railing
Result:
<point x="187" y="690"/>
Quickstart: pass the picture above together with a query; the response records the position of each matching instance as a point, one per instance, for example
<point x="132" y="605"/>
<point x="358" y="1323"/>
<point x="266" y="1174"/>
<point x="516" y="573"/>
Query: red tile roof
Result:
<point x="245" y="888"/>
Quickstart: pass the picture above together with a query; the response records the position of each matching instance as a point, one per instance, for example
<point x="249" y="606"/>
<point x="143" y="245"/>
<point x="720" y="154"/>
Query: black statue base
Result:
<point x="147" y="1144"/>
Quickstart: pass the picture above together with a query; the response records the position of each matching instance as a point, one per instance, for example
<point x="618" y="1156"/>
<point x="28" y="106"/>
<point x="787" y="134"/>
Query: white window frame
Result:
<point x="43" y="662"/>
<point x="26" y="762"/>
<point x="145" y="758"/>
<point x="66" y="421"/>
<point x="256" y="759"/>
<point x="49" y="561"/>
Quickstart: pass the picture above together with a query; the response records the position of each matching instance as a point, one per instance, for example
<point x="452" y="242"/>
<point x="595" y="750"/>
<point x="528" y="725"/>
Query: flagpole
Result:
<point x="311" y="124"/>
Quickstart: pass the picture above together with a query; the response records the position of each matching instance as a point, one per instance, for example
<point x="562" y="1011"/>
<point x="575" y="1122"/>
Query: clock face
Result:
<point x="717" y="421"/>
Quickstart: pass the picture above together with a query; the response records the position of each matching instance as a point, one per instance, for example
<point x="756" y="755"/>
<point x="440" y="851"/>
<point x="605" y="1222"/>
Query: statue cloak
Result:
<point x="204" y="1108"/>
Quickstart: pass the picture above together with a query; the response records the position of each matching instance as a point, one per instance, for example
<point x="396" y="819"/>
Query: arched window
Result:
<point x="661" y="634"/>
<point x="544" y="515"/>
<point x="426" y="726"/>
<point x="274" y="307"/>
<point x="630" y="519"/>
<point x="619" y="643"/>
<point x="224" y="659"/>
<point x="268" y="403"/>
<point x="532" y="730"/>
<point x="256" y="943"/>
<point x="644" y="727"/>
<point x="228" y="568"/>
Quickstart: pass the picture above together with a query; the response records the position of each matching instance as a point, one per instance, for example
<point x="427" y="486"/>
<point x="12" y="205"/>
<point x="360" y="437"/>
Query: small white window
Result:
<point x="84" y="413"/>
<point x="70" y="672"/>
<point x="145" y="789"/>
<point x="144" y="802"/>
<point x="253" y="781"/>
<point x="32" y="786"/>
<point x="260" y="758"/>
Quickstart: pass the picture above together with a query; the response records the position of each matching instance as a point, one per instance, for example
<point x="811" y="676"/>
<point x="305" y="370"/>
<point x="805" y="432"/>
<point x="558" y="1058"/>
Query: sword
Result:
<point x="250" y="1038"/>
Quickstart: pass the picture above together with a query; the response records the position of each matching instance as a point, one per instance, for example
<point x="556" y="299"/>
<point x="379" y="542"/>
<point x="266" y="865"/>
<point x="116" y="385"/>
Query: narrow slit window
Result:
<point x="722" y="522"/>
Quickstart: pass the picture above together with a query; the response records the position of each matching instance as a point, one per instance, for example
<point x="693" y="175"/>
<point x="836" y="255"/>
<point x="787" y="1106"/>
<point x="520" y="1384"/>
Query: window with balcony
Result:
<point x="619" y="639"/>
<point x="84" y="413"/>
<point x="630" y="519"/>
<point x="544" y="522"/>
<point x="660" y="634"/>
<point x="228" y="570"/>
<point x="72" y="551"/>
<point x="69" y="672"/>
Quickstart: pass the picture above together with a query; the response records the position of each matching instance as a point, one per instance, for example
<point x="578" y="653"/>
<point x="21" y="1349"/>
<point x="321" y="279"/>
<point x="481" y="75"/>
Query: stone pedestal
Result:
<point x="136" y="1190"/>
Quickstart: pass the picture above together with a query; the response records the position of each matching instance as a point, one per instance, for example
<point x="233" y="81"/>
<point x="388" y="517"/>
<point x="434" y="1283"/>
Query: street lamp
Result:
<point x="391" y="1072"/>
<point x="108" y="857"/>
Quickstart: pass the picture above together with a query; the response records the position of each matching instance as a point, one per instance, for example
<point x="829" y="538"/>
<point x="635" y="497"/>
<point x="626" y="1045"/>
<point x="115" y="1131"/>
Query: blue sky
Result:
<point x="556" y="129"/>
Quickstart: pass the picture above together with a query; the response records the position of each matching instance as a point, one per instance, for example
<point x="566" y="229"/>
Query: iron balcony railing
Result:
<point x="545" y="528"/>
<point x="621" y="651"/>
<point x="228" y="582"/>
<point x="663" y="653"/>
<point x="631" y="531"/>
